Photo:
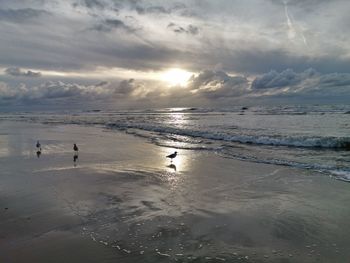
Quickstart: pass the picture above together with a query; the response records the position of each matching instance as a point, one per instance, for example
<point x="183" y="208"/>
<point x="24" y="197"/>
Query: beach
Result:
<point x="123" y="201"/>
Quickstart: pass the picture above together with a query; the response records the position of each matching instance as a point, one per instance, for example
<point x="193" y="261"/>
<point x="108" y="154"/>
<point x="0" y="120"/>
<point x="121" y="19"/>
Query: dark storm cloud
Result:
<point x="54" y="90"/>
<point x="193" y="30"/>
<point x="167" y="7"/>
<point x="126" y="87"/>
<point x="57" y="90"/>
<point x="141" y="7"/>
<point x="235" y="36"/>
<point x="217" y="84"/>
<point x="190" y="29"/>
<point x="129" y="3"/>
<point x="17" y="72"/>
<point x="152" y="10"/>
<point x="20" y="15"/>
<point x="240" y="53"/>
<point x="257" y="60"/>
<point x="286" y="78"/>
<point x="307" y="84"/>
<point x="335" y="80"/>
<point x="89" y="54"/>
<point x="58" y="93"/>
<point x="143" y="57"/>
<point x="110" y="24"/>
<point x="92" y="4"/>
<point x="102" y="84"/>
<point x="209" y="86"/>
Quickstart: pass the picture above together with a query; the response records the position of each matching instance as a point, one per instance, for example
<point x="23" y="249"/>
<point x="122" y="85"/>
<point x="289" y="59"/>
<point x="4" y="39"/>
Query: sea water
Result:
<point x="211" y="209"/>
<point x="315" y="137"/>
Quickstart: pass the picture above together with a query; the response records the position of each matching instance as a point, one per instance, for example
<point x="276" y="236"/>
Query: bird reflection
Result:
<point x="172" y="166"/>
<point x="75" y="159"/>
<point x="38" y="153"/>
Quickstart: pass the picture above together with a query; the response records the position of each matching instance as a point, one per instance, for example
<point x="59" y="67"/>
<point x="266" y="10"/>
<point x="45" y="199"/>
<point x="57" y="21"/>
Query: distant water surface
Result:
<point x="310" y="137"/>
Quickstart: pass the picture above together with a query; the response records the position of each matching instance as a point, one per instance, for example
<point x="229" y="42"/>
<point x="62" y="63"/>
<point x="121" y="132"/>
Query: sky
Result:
<point x="137" y="53"/>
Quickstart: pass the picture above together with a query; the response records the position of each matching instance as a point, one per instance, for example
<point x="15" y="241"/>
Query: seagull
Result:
<point x="172" y="156"/>
<point x="75" y="148"/>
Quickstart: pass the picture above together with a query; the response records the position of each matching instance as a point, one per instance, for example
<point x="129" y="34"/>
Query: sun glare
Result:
<point x="176" y="77"/>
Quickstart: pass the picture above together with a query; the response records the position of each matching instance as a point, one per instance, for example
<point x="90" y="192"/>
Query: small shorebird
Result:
<point x="172" y="156"/>
<point x="75" y="148"/>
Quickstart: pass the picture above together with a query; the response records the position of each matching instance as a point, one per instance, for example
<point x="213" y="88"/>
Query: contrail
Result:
<point x="292" y="32"/>
<point x="301" y="32"/>
<point x="304" y="39"/>
<point x="291" y="29"/>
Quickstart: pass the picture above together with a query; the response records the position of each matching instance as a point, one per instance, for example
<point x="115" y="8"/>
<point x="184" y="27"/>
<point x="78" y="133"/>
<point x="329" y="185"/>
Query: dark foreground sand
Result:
<point x="123" y="202"/>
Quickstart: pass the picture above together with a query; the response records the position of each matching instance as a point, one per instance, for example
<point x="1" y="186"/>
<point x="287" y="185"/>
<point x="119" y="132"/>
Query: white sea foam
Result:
<point x="341" y="175"/>
<point x="292" y="141"/>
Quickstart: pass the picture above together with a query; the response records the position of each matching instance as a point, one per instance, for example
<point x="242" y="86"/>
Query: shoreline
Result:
<point x="122" y="198"/>
<point x="262" y="145"/>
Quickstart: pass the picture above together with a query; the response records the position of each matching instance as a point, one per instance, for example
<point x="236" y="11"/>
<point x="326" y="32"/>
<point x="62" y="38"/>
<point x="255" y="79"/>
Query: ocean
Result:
<point x="313" y="137"/>
<point x="249" y="184"/>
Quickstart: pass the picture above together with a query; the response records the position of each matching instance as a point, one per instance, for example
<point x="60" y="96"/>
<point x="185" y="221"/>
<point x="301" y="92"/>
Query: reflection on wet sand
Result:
<point x="131" y="205"/>
<point x="172" y="166"/>
<point x="75" y="159"/>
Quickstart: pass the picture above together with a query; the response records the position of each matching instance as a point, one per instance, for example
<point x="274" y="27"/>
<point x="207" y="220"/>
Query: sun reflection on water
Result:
<point x="178" y="119"/>
<point x="173" y="171"/>
<point x="180" y="162"/>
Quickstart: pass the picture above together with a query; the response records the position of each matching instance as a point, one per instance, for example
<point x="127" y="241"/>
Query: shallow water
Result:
<point x="123" y="201"/>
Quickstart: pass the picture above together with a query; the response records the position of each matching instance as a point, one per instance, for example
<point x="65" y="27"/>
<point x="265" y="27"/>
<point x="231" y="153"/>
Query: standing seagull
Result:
<point x="38" y="149"/>
<point x="38" y="145"/>
<point x="172" y="156"/>
<point x="75" y="148"/>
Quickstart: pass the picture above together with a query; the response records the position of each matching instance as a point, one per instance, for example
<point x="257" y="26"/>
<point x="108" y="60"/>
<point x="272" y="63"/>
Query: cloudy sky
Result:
<point x="137" y="53"/>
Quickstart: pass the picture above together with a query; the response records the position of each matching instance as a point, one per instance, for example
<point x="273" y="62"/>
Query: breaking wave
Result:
<point x="277" y="140"/>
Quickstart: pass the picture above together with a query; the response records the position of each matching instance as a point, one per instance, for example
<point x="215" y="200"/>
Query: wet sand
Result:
<point x="123" y="201"/>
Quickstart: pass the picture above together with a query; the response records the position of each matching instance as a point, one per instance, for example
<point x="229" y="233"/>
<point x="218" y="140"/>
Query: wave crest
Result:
<point x="276" y="140"/>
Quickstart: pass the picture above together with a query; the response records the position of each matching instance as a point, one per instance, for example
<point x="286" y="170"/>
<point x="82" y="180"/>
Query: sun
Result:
<point x="176" y="77"/>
